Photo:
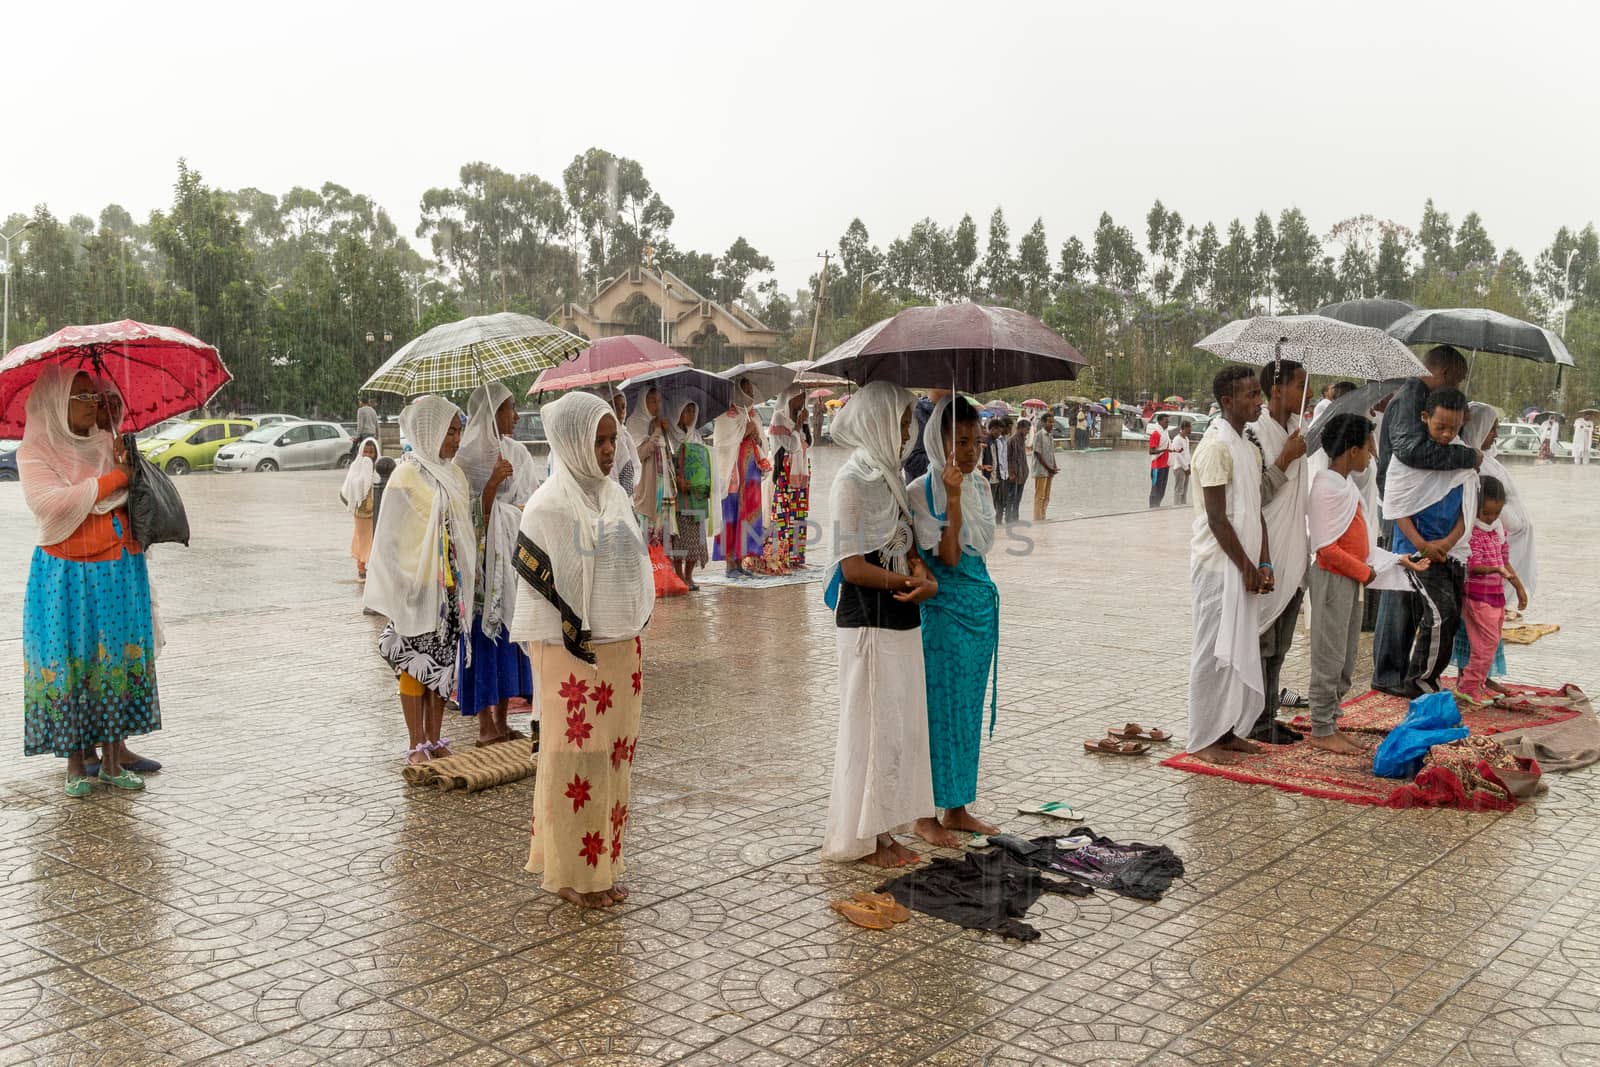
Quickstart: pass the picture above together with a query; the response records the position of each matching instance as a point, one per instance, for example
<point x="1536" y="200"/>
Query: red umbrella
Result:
<point x="822" y="394"/>
<point x="1031" y="403"/>
<point x="610" y="359"/>
<point x="160" y="370"/>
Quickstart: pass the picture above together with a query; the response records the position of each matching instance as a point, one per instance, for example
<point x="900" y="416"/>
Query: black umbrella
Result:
<point x="1359" y="401"/>
<point x="1481" y="330"/>
<point x="967" y="347"/>
<point x="1377" y="312"/>
<point x="710" y="393"/>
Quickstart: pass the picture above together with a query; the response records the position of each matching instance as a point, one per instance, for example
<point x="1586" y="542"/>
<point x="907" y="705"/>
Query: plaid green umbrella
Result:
<point x="463" y="355"/>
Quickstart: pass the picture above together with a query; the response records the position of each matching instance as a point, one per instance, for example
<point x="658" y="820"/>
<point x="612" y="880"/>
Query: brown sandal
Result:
<point x="1134" y="732"/>
<point x="896" y="911"/>
<point x="1112" y="747"/>
<point x="866" y="916"/>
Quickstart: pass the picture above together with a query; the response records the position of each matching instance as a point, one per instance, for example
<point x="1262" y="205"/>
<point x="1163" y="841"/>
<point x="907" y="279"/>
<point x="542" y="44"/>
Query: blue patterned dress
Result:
<point x="960" y="650"/>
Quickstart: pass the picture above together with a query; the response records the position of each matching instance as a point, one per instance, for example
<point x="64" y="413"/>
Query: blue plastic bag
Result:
<point x="1431" y="720"/>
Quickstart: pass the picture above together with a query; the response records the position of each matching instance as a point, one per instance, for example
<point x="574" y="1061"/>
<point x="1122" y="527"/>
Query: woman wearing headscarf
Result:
<point x="501" y="479"/>
<point x="625" y="471"/>
<point x="737" y="466"/>
<point x="584" y="596"/>
<point x="693" y="462"/>
<point x="881" y="778"/>
<point x="953" y="517"/>
<point x="423" y="574"/>
<point x="88" y="622"/>
<point x="1481" y="429"/>
<point x="359" y="480"/>
<point x="788" y="441"/>
<point x="655" y="494"/>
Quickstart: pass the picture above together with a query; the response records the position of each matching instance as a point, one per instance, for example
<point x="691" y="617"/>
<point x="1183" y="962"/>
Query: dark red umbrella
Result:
<point x="969" y="347"/>
<point x="610" y="359"/>
<point x="160" y="370"/>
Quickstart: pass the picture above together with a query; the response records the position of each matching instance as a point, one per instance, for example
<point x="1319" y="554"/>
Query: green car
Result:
<point x="192" y="445"/>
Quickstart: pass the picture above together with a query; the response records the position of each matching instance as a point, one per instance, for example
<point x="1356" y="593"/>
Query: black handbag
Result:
<point x="155" y="510"/>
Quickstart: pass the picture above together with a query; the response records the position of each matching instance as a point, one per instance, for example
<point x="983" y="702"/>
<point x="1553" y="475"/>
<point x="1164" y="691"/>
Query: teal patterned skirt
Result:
<point x="960" y="645"/>
<point x="88" y="654"/>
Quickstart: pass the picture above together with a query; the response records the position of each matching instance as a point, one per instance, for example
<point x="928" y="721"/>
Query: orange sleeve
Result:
<point x="111" y="483"/>
<point x="1334" y="558"/>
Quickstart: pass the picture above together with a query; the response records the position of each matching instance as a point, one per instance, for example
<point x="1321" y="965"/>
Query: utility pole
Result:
<point x="816" y="311"/>
<point x="1566" y="306"/>
<point x="5" y="316"/>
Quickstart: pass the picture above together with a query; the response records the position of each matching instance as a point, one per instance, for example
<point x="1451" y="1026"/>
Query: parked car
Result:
<point x="274" y="419"/>
<point x="1520" y="439"/>
<point x="193" y="445"/>
<point x="289" y="447"/>
<point x="8" y="460"/>
<point x="530" y="427"/>
<point x="160" y="427"/>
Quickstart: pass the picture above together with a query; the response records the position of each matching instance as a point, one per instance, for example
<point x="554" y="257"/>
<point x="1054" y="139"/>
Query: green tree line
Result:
<point x="307" y="291"/>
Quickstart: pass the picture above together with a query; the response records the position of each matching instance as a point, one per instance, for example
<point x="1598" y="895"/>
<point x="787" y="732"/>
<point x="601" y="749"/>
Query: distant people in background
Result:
<point x="1017" y="476"/>
<point x="1582" y="439"/>
<point x="818" y="409"/>
<point x="992" y="462"/>
<point x="916" y="464"/>
<point x="655" y="492"/>
<point x="789" y="444"/>
<point x="1082" y="430"/>
<point x="1044" y="466"/>
<point x="1160" y="462"/>
<point x="1285" y="486"/>
<point x="1323" y="403"/>
<point x="625" y="471"/>
<point x="366" y="423"/>
<point x="739" y="464"/>
<point x="693" y="461"/>
<point x="359" y="479"/>
<point x="1549" y="437"/>
<point x="1178" y="454"/>
<point x="1230" y="570"/>
<point x="1489" y="572"/>
<point x="423" y="573"/>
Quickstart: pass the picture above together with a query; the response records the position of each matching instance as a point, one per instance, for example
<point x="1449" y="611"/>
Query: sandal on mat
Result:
<point x="1134" y="732"/>
<point x="1112" y="747"/>
<point x="866" y="916"/>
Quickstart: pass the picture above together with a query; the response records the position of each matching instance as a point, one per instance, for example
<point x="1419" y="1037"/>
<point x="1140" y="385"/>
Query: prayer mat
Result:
<point x="1527" y="633"/>
<point x="720" y="578"/>
<point x="1528" y="705"/>
<point x="1332" y="776"/>
<point x="473" y="769"/>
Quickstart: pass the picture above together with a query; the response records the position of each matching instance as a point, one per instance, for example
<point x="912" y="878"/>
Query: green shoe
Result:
<point x="125" y="780"/>
<point x="78" y="787"/>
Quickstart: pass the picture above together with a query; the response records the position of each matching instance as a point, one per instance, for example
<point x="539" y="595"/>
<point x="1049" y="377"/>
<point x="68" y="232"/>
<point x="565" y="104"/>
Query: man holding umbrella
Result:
<point x="1403" y="432"/>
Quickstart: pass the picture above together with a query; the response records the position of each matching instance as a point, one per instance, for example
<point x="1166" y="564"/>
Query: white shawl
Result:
<point x="1285" y="514"/>
<point x="360" y="477"/>
<point x="1408" y="490"/>
<point x="583" y="569"/>
<point x="1514" y="516"/>
<point x="500" y="537"/>
<point x="870" y="507"/>
<point x="425" y="500"/>
<point x="480" y="441"/>
<point x="786" y="434"/>
<point x="1334" y="500"/>
<point x="655" y="489"/>
<point x="60" y="470"/>
<point x="977" y="500"/>
<point x="727" y="432"/>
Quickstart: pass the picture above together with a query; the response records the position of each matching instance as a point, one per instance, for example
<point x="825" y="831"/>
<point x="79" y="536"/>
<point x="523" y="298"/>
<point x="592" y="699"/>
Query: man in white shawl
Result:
<point x="1284" y="490"/>
<point x="501" y="476"/>
<point x="1582" y="439"/>
<point x="585" y="592"/>
<point x="423" y="573"/>
<point x="882" y="779"/>
<point x="1432" y="511"/>
<point x="1230" y="569"/>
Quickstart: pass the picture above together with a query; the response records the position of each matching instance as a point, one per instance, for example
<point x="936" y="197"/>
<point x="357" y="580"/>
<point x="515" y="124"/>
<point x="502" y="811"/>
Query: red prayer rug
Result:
<point x="1527" y="705"/>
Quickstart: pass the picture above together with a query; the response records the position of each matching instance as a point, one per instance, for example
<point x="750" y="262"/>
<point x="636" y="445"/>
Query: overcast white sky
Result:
<point x="781" y="122"/>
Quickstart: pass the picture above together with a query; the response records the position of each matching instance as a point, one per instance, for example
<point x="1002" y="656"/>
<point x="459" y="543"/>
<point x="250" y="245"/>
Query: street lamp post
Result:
<point x="651" y="262"/>
<point x="5" y="317"/>
<point x="864" y="280"/>
<point x="1566" y="306"/>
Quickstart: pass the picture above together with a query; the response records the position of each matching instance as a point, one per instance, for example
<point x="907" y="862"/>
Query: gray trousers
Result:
<point x="1275" y="642"/>
<point x="1180" y="486"/>
<point x="1335" y="636"/>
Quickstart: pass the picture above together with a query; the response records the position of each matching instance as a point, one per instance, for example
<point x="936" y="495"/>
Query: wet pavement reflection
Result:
<point x="279" y="895"/>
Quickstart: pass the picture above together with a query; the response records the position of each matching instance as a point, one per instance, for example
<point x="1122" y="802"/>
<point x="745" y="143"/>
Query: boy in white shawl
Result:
<point x="1229" y="569"/>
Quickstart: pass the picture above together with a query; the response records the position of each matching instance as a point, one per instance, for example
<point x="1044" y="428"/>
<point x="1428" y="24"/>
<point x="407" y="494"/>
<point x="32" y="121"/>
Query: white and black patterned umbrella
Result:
<point x="1481" y="330"/>
<point x="458" y="356"/>
<point x="1322" y="345"/>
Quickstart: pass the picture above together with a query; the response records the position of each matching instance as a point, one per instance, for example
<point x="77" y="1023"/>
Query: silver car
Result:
<point x="1521" y="439"/>
<point x="288" y="447"/>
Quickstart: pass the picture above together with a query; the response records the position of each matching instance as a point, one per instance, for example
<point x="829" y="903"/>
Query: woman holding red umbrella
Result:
<point x="88" y="621"/>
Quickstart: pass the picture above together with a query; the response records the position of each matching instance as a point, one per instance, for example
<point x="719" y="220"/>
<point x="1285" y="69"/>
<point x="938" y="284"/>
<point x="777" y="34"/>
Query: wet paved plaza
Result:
<point x="278" y="895"/>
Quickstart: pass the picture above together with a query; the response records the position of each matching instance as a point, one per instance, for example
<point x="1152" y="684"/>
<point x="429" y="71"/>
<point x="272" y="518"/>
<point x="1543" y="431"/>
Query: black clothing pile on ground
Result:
<point x="993" y="890"/>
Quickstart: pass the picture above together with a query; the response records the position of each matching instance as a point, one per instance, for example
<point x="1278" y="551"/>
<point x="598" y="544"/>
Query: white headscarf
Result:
<point x="583" y="567"/>
<point x="677" y="436"/>
<point x="871" y="510"/>
<point x="625" y="468"/>
<point x="480" y="441"/>
<point x="360" y="477"/>
<point x="727" y="434"/>
<point x="59" y="469"/>
<point x="426" y="497"/>
<point x="977" y="500"/>
<point x="790" y="436"/>
<point x="1514" y="516"/>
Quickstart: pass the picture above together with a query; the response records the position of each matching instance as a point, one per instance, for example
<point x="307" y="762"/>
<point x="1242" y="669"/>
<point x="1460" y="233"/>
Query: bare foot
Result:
<point x="887" y="854"/>
<point x="1239" y="744"/>
<point x="1218" y="753"/>
<point x="619" y="893"/>
<point x="962" y="819"/>
<point x="1490" y="683"/>
<point x="1334" y="742"/>
<point x="934" y="834"/>
<point x="908" y="857"/>
<point x="441" y="749"/>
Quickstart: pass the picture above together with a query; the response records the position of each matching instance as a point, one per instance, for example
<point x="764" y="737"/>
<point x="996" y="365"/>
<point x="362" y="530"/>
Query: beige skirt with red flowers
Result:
<point x="588" y="730"/>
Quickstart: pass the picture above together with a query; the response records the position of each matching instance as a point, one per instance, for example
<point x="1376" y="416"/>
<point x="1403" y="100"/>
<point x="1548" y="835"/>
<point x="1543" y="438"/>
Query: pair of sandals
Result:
<point x="142" y="765"/>
<point x="872" y="911"/>
<point x="1130" y="739"/>
<point x="77" y="788"/>
<point x="426" y="750"/>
